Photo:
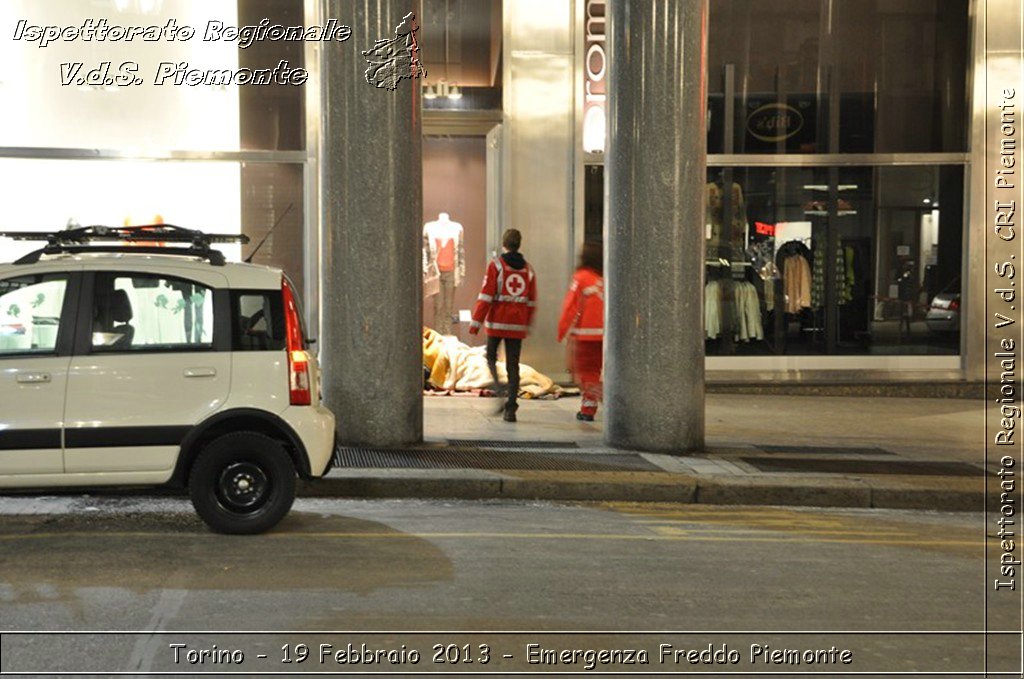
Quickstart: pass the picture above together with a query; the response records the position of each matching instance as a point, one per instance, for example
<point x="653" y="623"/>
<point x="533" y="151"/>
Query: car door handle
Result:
<point x="34" y="378"/>
<point x="200" y="372"/>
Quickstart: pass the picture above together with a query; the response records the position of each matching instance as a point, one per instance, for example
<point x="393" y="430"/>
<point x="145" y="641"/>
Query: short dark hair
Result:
<point x="511" y="240"/>
<point x="592" y="255"/>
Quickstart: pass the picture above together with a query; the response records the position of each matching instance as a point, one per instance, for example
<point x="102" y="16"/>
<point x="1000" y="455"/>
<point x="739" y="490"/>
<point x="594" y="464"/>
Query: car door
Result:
<point x="37" y="318"/>
<point x="151" y="361"/>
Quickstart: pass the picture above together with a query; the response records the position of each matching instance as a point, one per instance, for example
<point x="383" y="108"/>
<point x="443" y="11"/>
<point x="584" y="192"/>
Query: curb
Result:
<point x="878" y="491"/>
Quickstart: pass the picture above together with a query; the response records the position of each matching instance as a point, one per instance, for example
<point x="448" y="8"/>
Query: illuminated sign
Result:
<point x="764" y="229"/>
<point x="595" y="68"/>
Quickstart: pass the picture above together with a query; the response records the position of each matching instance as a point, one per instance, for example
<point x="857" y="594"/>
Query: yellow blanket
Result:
<point x="455" y="366"/>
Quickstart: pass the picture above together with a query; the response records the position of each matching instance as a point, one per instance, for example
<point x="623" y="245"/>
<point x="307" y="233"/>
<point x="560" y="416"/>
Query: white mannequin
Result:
<point x="443" y="251"/>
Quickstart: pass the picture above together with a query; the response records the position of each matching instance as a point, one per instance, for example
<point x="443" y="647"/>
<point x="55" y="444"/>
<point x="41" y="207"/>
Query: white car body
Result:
<point x="104" y="417"/>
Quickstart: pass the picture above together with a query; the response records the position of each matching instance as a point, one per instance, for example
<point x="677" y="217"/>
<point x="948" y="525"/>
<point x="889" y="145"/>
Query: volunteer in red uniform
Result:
<point x="583" y="321"/>
<point x="505" y="309"/>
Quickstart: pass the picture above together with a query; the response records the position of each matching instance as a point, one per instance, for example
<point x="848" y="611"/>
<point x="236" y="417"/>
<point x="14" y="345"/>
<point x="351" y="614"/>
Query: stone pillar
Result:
<point x="654" y="252"/>
<point x="371" y="196"/>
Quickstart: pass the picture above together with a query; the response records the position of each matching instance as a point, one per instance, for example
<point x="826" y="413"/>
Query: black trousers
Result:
<point x="512" y="349"/>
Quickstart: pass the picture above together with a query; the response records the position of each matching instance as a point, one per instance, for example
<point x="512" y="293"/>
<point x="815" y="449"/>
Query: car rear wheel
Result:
<point x="242" y="483"/>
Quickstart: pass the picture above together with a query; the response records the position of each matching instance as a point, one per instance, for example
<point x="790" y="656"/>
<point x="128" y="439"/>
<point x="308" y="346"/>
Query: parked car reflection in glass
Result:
<point x="944" y="311"/>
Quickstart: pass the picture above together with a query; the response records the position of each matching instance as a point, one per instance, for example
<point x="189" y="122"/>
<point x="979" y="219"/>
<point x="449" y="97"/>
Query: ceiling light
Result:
<point x="454" y="92"/>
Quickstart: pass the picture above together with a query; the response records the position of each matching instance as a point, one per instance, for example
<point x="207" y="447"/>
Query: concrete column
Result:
<point x="371" y="197"/>
<point x="654" y="252"/>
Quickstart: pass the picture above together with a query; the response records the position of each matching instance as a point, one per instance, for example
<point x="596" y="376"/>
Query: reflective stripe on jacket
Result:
<point x="583" y="308"/>
<point x="506" y="301"/>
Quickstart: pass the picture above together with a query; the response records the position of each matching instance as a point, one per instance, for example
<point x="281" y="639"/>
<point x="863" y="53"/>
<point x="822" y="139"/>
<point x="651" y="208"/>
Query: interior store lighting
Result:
<point x="442" y="89"/>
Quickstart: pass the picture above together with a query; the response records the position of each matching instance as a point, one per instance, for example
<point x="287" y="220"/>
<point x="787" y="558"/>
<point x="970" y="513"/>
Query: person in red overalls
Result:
<point x="505" y="309"/>
<point x="583" y="321"/>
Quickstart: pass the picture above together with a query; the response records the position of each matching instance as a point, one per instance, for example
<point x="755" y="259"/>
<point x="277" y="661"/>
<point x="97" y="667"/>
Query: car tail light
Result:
<point x="954" y="305"/>
<point x="299" y="393"/>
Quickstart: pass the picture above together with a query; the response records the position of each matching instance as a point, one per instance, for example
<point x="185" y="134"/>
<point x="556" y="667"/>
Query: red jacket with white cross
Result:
<point x="507" y="300"/>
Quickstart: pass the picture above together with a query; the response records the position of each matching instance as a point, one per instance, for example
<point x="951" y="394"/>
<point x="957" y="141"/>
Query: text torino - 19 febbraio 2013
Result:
<point x="370" y="655"/>
<point x="131" y="73"/>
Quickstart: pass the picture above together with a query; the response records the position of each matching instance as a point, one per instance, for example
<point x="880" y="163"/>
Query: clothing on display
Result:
<point x="745" y="309"/>
<point x="793" y="260"/>
<point x="719" y="243"/>
<point x="844" y="278"/>
<point x="748" y="312"/>
<point x="444" y="266"/>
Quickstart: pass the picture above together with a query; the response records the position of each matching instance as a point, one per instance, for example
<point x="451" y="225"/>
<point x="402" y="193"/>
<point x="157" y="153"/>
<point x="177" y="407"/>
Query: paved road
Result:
<point x="127" y="563"/>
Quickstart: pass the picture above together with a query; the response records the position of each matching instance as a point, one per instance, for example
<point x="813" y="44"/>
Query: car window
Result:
<point x="146" y="312"/>
<point x="30" y="313"/>
<point x="259" y="321"/>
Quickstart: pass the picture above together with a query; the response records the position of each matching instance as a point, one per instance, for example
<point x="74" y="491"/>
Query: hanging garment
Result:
<point x="843" y="281"/>
<point x="712" y="310"/>
<point x="796" y="278"/>
<point x="769" y="273"/>
<point x="747" y="312"/>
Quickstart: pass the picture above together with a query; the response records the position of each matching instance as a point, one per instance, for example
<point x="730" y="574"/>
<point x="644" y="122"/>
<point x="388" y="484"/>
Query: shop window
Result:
<point x="78" y="94"/>
<point x="900" y="72"/>
<point x="837" y="76"/>
<point x="455" y="253"/>
<point x="261" y="200"/>
<point x="827" y="261"/>
<point x="30" y="310"/>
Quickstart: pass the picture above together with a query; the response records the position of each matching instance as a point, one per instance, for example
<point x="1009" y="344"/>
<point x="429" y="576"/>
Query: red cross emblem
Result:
<point x="515" y="285"/>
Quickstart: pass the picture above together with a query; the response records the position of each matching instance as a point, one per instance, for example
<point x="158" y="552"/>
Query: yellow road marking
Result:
<point x="893" y="533"/>
<point x="513" y="536"/>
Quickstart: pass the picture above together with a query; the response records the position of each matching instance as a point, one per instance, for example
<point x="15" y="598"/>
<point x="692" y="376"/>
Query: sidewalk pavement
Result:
<point x="907" y="453"/>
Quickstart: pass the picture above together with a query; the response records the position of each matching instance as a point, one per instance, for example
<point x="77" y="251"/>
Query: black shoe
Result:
<point x="510" y="412"/>
<point x="583" y="417"/>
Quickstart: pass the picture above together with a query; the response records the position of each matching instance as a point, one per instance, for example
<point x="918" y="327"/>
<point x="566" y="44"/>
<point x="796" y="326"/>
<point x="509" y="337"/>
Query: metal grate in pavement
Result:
<point x="826" y="450"/>
<point x="511" y="445"/>
<point x="479" y="458"/>
<point x="817" y="465"/>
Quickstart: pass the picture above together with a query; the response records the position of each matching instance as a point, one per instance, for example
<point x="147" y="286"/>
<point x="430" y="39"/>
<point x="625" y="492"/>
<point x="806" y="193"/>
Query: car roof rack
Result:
<point x="141" y="240"/>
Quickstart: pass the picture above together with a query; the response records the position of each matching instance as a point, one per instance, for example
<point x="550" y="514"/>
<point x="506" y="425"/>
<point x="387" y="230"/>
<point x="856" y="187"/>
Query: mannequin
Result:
<point x="443" y="251"/>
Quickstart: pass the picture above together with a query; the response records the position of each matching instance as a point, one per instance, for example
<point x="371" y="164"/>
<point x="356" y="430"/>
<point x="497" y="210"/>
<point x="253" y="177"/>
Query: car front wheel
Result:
<point x="242" y="483"/>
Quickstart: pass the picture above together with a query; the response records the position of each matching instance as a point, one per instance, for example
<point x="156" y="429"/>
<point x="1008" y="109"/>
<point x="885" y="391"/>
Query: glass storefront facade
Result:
<point x="835" y="200"/>
<point x="838" y="138"/>
<point x="837" y="76"/>
<point x="223" y="158"/>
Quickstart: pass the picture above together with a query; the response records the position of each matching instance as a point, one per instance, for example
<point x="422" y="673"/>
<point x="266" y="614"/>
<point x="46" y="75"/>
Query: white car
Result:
<point x="126" y="363"/>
